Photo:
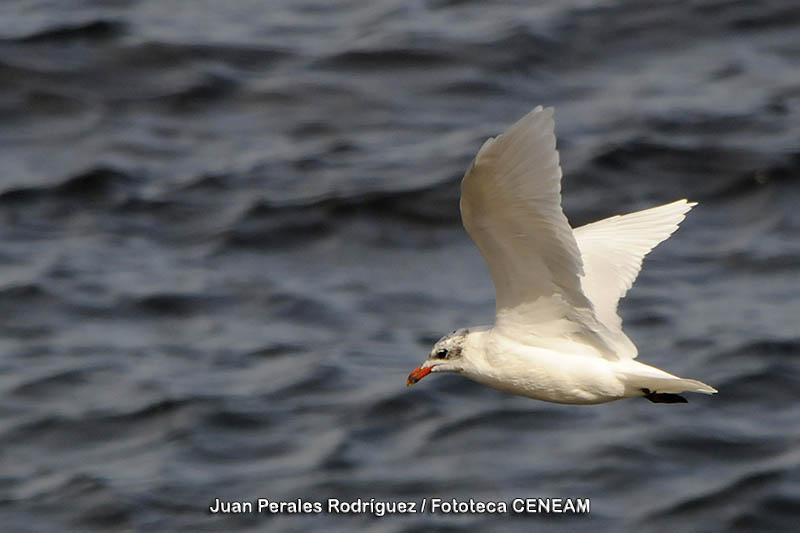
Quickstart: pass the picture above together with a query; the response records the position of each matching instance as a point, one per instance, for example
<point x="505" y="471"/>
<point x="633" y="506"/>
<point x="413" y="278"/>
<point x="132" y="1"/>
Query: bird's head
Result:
<point x="446" y="356"/>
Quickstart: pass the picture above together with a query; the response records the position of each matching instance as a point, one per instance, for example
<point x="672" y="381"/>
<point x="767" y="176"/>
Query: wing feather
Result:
<point x="613" y="250"/>
<point x="511" y="207"/>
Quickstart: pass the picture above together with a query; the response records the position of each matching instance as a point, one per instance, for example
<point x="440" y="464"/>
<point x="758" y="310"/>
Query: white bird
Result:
<point x="557" y="336"/>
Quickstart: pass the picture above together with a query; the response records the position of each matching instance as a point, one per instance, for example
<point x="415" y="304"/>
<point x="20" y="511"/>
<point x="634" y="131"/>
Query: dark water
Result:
<point x="230" y="230"/>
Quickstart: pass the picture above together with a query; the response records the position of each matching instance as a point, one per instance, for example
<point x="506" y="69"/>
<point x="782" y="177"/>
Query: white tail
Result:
<point x="641" y="376"/>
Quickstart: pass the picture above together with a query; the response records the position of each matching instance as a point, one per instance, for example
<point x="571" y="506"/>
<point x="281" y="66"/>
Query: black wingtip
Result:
<point x="663" y="397"/>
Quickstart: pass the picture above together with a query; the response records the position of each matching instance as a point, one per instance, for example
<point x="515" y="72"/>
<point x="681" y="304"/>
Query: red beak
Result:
<point x="418" y="374"/>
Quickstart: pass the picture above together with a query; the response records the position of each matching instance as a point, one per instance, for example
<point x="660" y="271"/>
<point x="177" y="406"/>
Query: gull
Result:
<point x="557" y="336"/>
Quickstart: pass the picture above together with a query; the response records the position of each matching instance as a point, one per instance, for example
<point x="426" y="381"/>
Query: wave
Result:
<point x="706" y="172"/>
<point x="390" y="58"/>
<point x="93" y="30"/>
<point x="95" y="184"/>
<point x="731" y="504"/>
<point x="268" y="224"/>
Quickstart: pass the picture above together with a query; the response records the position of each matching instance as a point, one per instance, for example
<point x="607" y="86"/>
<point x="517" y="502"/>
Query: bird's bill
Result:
<point x="420" y="372"/>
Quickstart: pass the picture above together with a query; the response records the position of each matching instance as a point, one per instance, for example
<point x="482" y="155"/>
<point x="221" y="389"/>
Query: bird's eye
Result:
<point x="441" y="354"/>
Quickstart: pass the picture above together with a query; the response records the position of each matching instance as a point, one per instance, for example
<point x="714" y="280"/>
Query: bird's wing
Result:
<point x="511" y="207"/>
<point x="612" y="251"/>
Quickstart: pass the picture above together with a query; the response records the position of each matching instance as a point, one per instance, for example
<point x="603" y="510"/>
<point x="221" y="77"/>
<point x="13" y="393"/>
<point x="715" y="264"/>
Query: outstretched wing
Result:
<point x="613" y="249"/>
<point x="511" y="207"/>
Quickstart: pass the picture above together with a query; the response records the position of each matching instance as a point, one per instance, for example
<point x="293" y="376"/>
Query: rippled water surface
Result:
<point x="230" y="229"/>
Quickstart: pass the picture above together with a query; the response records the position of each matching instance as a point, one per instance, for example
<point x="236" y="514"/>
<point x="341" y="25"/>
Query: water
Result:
<point x="230" y="230"/>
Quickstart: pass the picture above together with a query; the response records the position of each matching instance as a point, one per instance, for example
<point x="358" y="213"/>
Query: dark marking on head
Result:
<point x="450" y="346"/>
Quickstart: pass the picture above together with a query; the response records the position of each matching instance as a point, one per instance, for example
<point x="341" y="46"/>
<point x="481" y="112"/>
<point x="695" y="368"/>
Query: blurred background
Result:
<point x="230" y="229"/>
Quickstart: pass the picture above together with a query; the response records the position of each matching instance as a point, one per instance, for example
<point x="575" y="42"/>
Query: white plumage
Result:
<point x="557" y="335"/>
<point x="612" y="251"/>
